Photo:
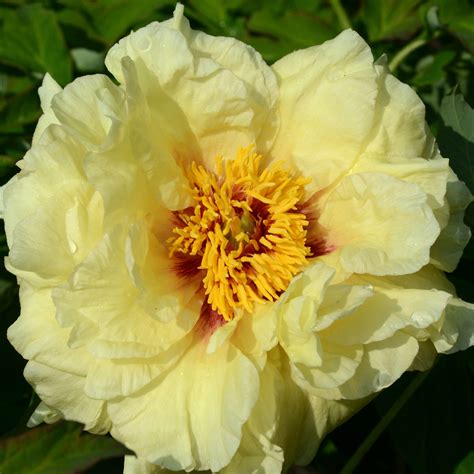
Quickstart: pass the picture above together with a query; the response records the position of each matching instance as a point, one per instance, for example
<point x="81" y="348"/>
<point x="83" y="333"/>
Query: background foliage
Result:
<point x="424" y="423"/>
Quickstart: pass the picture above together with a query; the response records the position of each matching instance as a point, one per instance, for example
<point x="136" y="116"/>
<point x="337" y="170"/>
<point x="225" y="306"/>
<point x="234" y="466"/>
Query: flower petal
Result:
<point x="212" y="81"/>
<point x="65" y="392"/>
<point x="381" y="225"/>
<point x="191" y="417"/>
<point x="323" y="126"/>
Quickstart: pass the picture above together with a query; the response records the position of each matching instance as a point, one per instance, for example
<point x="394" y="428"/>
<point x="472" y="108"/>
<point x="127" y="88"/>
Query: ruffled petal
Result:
<point x="323" y="126"/>
<point x="379" y="224"/>
<point x="447" y="250"/>
<point x="203" y="80"/>
<point x="191" y="416"/>
<point x="65" y="392"/>
<point x="399" y="128"/>
<point x="37" y="336"/>
<point x="49" y="88"/>
<point x="68" y="225"/>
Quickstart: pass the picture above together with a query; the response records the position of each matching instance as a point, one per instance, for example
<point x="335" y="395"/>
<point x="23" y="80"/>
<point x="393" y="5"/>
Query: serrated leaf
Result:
<point x="31" y="40"/>
<point x="61" y="448"/>
<point x="456" y="138"/>
<point x="391" y="18"/>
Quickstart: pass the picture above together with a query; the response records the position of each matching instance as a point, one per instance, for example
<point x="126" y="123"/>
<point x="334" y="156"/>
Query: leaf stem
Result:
<point x="341" y="14"/>
<point x="405" y="51"/>
<point x="380" y="427"/>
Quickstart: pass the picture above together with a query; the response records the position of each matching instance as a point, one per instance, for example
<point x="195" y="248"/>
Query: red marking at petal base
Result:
<point x="319" y="246"/>
<point x="187" y="266"/>
<point x="209" y="321"/>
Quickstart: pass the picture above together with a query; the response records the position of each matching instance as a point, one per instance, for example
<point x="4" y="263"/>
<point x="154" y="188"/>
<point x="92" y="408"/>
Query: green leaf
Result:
<point x="432" y="69"/>
<point x="456" y="138"/>
<point x="87" y="60"/>
<point x="19" y="110"/>
<point x="61" y="448"/>
<point x="391" y="18"/>
<point x="296" y="28"/>
<point x="31" y="40"/>
<point x="111" y="19"/>
<point x="6" y="165"/>
<point x="458" y="16"/>
<point x="466" y="466"/>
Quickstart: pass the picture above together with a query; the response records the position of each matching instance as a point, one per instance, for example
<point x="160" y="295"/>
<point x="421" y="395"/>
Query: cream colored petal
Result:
<point x="48" y="89"/>
<point x="101" y="295"/>
<point x="45" y="170"/>
<point x="221" y="86"/>
<point x="386" y="312"/>
<point x="67" y="226"/>
<point x="65" y="392"/>
<point x="399" y="129"/>
<point x="43" y="414"/>
<point x="37" y="336"/>
<point x="191" y="417"/>
<point x="156" y="139"/>
<point x="428" y="278"/>
<point x="457" y="331"/>
<point x="281" y="430"/>
<point x="382" y="364"/>
<point x="447" y="250"/>
<point x="338" y="364"/>
<point x="134" y="465"/>
<point x="379" y="224"/>
<point x="256" y="333"/>
<point x="327" y="106"/>
<point x="341" y="300"/>
<point x="107" y="379"/>
<point x="89" y="109"/>
<point x="430" y="175"/>
<point x="297" y="312"/>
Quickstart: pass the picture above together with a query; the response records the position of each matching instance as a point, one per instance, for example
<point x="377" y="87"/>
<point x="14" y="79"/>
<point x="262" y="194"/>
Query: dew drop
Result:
<point x="72" y="246"/>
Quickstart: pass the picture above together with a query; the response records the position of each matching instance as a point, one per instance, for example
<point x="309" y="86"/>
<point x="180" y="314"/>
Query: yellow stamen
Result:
<point x="246" y="228"/>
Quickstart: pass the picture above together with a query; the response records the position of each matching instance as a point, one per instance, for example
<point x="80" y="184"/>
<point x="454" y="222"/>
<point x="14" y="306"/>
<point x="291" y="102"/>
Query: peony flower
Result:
<point x="220" y="261"/>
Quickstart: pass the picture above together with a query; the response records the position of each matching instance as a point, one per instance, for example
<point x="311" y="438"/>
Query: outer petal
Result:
<point x="281" y="430"/>
<point x="327" y="106"/>
<point x="379" y="224"/>
<point x="190" y="417"/>
<point x="399" y="129"/>
<point x="65" y="392"/>
<point x="49" y="88"/>
<point x="447" y="250"/>
<point x="205" y="81"/>
<point x="387" y="312"/>
<point x="68" y="225"/>
<point x="37" y="336"/>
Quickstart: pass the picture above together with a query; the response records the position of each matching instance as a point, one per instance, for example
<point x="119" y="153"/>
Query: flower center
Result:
<point x="245" y="231"/>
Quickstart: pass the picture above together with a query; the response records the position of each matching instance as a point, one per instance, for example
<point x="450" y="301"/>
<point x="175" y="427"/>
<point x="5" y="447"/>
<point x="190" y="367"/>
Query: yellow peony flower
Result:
<point x="219" y="261"/>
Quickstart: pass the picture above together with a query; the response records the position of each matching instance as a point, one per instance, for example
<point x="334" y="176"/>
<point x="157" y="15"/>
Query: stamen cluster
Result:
<point x="247" y="229"/>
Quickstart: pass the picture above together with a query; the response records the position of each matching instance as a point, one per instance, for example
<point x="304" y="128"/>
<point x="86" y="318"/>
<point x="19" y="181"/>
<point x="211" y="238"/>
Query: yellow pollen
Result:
<point x="246" y="228"/>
